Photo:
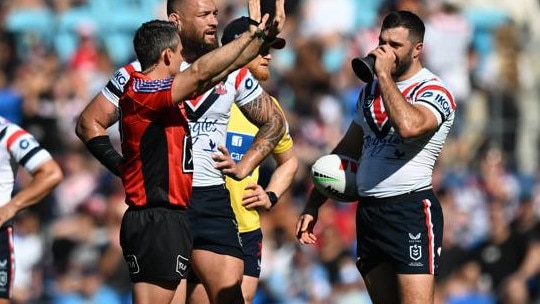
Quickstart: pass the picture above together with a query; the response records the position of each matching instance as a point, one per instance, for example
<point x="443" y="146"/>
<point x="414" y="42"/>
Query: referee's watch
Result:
<point x="272" y="196"/>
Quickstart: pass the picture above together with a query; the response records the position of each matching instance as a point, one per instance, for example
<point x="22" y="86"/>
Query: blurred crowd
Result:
<point x="55" y="55"/>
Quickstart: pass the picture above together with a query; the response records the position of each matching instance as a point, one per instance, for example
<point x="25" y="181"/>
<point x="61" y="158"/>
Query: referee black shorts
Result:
<point x="156" y="244"/>
<point x="405" y="230"/>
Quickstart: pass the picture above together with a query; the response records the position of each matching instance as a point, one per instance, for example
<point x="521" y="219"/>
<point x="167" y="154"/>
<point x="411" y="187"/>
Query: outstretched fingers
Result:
<point x="254" y="10"/>
<point x="279" y="18"/>
<point x="304" y="229"/>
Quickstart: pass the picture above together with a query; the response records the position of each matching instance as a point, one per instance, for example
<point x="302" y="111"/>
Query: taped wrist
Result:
<point x="102" y="149"/>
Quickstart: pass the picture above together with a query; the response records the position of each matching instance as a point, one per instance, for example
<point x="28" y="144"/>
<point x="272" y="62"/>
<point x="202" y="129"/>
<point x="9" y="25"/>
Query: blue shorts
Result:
<point x="213" y="223"/>
<point x="252" y="245"/>
<point x="405" y="230"/>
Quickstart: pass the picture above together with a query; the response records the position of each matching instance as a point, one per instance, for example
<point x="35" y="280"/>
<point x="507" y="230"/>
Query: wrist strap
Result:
<point x="272" y="196"/>
<point x="253" y="22"/>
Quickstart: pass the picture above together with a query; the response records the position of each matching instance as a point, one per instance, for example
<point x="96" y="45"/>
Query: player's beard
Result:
<point x="194" y="49"/>
<point x="402" y="65"/>
<point x="260" y="73"/>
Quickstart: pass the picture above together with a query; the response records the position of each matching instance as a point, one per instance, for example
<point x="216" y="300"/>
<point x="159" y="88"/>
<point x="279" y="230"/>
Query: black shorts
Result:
<point x="252" y="246"/>
<point x="156" y="244"/>
<point x="213" y="222"/>
<point x="405" y="230"/>
<point x="7" y="258"/>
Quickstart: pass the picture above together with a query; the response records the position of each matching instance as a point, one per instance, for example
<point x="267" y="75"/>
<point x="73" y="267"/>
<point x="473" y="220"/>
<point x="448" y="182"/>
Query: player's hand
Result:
<point x="255" y="197"/>
<point x="254" y="10"/>
<point x="226" y="164"/>
<point x="385" y="60"/>
<point x="7" y="212"/>
<point x="279" y="20"/>
<point x="304" y="229"/>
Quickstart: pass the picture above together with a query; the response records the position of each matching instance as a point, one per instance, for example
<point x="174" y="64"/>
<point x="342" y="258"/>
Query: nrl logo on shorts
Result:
<point x="415" y="252"/>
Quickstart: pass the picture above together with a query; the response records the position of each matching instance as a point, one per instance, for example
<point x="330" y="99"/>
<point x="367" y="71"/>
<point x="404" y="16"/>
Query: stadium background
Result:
<point x="55" y="55"/>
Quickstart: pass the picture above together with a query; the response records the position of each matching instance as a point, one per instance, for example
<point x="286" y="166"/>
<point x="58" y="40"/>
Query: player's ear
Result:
<point x="167" y="55"/>
<point x="417" y="52"/>
<point x="175" y="18"/>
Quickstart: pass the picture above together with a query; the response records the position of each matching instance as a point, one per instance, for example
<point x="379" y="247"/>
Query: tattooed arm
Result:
<point x="91" y="129"/>
<point x="263" y="113"/>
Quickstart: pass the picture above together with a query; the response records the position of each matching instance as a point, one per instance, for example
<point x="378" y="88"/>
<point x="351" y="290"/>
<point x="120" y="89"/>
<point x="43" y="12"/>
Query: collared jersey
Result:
<point x="158" y="165"/>
<point x="208" y="115"/>
<point x="17" y="148"/>
<point x="390" y="165"/>
<point x="240" y="135"/>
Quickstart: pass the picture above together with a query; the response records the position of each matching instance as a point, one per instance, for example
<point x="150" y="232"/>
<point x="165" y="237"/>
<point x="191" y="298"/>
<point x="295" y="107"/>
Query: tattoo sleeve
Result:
<point x="266" y="115"/>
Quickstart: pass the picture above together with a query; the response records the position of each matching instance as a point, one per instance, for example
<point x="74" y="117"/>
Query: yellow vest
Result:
<point x="240" y="135"/>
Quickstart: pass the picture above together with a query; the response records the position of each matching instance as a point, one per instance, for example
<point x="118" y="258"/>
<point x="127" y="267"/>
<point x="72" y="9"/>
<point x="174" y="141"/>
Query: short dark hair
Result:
<point x="173" y="6"/>
<point x="408" y="20"/>
<point x="151" y="38"/>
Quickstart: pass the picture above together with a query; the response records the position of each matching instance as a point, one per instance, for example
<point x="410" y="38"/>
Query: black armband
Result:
<point x="102" y="149"/>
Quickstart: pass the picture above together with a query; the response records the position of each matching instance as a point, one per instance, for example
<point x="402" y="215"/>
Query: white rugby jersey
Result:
<point x="208" y="115"/>
<point x="17" y="147"/>
<point x="392" y="166"/>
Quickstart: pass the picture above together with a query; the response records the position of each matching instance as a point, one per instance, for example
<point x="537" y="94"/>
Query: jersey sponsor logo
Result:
<point x="374" y="145"/>
<point x="248" y="83"/>
<point x="202" y="129"/>
<point x="444" y="103"/>
<point x="132" y="264"/>
<point x="120" y="78"/>
<point x="236" y="156"/>
<point x="236" y="141"/>
<point x="27" y="143"/>
<point x="182" y="265"/>
<point x="238" y="144"/>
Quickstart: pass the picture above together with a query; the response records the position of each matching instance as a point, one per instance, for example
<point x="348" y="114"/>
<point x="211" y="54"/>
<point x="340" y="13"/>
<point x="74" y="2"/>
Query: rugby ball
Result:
<point x="335" y="176"/>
